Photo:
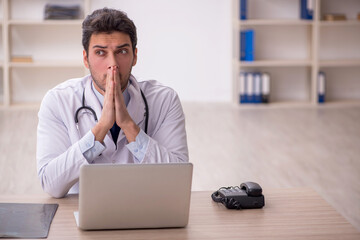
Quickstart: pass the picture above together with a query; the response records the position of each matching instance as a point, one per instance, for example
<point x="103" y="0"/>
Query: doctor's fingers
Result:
<point x="109" y="85"/>
<point x="108" y="111"/>
<point x="118" y="91"/>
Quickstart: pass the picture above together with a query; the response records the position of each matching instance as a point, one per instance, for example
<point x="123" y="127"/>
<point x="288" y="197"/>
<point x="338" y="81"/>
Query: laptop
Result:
<point x="127" y="196"/>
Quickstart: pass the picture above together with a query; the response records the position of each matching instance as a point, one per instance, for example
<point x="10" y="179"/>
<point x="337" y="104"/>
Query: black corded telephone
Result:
<point x="248" y="195"/>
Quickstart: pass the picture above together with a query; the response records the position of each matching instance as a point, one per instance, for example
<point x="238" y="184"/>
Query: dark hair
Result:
<point x="107" y="21"/>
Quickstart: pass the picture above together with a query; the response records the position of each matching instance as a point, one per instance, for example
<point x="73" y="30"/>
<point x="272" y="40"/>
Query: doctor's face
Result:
<point x="106" y="50"/>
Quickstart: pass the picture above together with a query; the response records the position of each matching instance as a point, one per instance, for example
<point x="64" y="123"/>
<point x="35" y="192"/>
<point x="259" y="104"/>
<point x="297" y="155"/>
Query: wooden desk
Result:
<point x="288" y="214"/>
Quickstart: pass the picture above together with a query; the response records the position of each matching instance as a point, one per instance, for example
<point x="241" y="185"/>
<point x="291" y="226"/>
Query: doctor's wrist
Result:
<point x="131" y="130"/>
<point x="99" y="132"/>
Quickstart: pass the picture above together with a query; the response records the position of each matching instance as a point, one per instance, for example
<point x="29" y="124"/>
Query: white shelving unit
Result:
<point x="293" y="50"/>
<point x="25" y="33"/>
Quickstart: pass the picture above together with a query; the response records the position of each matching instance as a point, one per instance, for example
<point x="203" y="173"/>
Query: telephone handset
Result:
<point x="252" y="189"/>
<point x="248" y="195"/>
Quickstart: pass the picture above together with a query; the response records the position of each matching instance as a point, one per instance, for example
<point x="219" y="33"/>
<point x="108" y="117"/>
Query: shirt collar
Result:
<point x="100" y="97"/>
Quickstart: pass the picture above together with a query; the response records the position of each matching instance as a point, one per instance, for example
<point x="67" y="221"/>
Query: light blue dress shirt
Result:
<point x="91" y="148"/>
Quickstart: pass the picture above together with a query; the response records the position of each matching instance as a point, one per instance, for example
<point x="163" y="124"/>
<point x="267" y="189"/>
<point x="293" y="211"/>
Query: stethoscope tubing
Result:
<point x="95" y="116"/>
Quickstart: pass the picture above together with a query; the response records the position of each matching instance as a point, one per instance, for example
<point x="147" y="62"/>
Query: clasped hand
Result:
<point x="114" y="109"/>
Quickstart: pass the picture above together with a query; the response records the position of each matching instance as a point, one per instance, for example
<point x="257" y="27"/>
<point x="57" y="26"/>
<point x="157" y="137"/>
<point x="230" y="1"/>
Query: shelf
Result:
<point x="340" y="23"/>
<point x="285" y="104"/>
<point x="21" y="106"/>
<point x="275" y="63"/>
<point x="25" y="33"/>
<point x="275" y="22"/>
<point x="339" y="63"/>
<point x="45" y="22"/>
<point x="340" y="103"/>
<point x="293" y="51"/>
<point x="305" y="104"/>
<point x="47" y="64"/>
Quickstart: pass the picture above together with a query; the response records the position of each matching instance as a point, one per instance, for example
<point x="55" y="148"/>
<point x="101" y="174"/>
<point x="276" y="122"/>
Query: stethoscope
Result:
<point x="95" y="117"/>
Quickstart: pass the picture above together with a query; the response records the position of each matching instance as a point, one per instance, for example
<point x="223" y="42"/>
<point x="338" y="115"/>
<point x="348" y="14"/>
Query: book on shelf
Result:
<point x="247" y="45"/>
<point x="243" y="9"/>
<point x="242" y="85"/>
<point x="321" y="87"/>
<point x="306" y="9"/>
<point x="254" y="87"/>
<point x="334" y="17"/>
<point x="257" y="88"/>
<point x="249" y="88"/>
<point x="22" y="59"/>
<point x="265" y="87"/>
<point x="242" y="45"/>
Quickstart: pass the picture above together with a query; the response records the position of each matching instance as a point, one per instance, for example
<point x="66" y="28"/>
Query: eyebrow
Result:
<point x="120" y="46"/>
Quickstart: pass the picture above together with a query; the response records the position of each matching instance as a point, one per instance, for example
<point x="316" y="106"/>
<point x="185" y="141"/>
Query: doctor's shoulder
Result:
<point x="155" y="90"/>
<point x="66" y="91"/>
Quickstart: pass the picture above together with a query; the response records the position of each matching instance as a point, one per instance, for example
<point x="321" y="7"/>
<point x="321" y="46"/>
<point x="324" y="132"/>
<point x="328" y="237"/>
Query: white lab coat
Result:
<point x="59" y="157"/>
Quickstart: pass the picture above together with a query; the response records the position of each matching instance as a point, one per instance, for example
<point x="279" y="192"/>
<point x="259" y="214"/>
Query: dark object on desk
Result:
<point x="248" y="195"/>
<point x="26" y="220"/>
<point x="53" y="11"/>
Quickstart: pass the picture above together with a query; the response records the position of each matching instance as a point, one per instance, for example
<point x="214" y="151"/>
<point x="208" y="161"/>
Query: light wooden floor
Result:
<point x="276" y="147"/>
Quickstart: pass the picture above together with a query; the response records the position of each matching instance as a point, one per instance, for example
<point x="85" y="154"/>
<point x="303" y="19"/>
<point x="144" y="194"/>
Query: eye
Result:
<point x="100" y="52"/>
<point x="123" y="51"/>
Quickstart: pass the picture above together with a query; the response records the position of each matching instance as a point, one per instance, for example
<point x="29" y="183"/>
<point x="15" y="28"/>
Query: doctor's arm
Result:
<point x="58" y="160"/>
<point x="168" y="143"/>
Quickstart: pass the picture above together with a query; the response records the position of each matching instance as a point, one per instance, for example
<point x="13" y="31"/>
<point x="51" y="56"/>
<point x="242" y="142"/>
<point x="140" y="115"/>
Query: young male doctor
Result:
<point x="107" y="116"/>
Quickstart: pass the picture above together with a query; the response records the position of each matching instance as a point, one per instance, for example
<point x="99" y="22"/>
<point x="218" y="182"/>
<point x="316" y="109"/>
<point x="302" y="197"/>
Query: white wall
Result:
<point x="185" y="44"/>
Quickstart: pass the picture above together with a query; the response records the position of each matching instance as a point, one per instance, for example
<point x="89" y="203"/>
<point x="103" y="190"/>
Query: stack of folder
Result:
<point x="53" y="11"/>
<point x="254" y="87"/>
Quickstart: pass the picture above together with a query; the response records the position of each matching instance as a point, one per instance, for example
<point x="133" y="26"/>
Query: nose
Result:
<point x="112" y="61"/>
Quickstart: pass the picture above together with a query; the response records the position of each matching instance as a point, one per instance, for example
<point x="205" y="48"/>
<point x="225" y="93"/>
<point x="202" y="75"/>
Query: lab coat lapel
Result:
<point x="136" y="106"/>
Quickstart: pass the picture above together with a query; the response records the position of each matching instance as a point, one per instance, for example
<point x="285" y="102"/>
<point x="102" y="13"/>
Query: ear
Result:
<point x="85" y="59"/>
<point x="135" y="57"/>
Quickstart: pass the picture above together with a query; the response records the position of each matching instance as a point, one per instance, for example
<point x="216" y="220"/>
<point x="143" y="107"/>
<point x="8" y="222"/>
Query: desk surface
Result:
<point x="288" y="214"/>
